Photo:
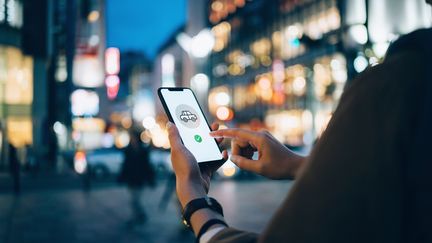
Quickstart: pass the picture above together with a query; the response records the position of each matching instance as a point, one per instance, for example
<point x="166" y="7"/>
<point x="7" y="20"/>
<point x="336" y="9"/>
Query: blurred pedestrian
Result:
<point x="137" y="173"/>
<point x="29" y="158"/>
<point x="367" y="178"/>
<point x="15" y="168"/>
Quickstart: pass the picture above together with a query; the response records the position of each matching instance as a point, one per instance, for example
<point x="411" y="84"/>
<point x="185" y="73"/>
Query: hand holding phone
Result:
<point x="183" y="110"/>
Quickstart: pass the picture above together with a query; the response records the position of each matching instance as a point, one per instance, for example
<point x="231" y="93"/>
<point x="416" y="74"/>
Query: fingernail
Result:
<point x="233" y="158"/>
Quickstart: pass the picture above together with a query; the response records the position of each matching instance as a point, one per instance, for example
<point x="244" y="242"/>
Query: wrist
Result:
<point x="295" y="163"/>
<point x="200" y="217"/>
<point x="188" y="191"/>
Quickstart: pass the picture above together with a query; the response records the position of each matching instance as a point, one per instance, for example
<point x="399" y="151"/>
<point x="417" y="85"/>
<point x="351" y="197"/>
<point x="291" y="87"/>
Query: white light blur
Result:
<point x="294" y="31"/>
<point x="144" y="105"/>
<point x="107" y="140"/>
<point x="335" y="63"/>
<point x="202" y="43"/>
<point x="299" y="85"/>
<point x="220" y="70"/>
<point x="112" y="81"/>
<point x="359" y="34"/>
<point x="198" y="46"/>
<point x="168" y="66"/>
<point x="59" y="128"/>
<point x="373" y="61"/>
<point x="84" y="102"/>
<point x="61" y="71"/>
<point x="2" y="10"/>
<point x="168" y="63"/>
<point x="355" y="12"/>
<point x="112" y="61"/>
<point x="360" y="63"/>
<point x="15" y="13"/>
<point x="80" y="166"/>
<point x="387" y="18"/>
<point x="222" y="98"/>
<point x="94" y="40"/>
<point x="200" y="83"/>
<point x="159" y="137"/>
<point x="380" y="48"/>
<point x="87" y="71"/>
<point x="149" y="122"/>
<point x="184" y="41"/>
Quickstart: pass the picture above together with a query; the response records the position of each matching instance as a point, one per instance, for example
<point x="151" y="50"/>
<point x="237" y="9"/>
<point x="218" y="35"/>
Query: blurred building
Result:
<point x="134" y="100"/>
<point x="89" y="76"/>
<point x="52" y="76"/>
<point x="283" y="64"/>
<point x="24" y="57"/>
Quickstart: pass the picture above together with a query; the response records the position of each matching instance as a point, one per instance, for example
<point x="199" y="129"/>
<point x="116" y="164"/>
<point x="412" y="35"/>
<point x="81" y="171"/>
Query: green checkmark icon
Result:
<point x="198" y="138"/>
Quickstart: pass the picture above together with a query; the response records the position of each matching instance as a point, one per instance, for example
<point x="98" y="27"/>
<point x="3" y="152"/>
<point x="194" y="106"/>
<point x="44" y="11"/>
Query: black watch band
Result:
<point x="200" y="203"/>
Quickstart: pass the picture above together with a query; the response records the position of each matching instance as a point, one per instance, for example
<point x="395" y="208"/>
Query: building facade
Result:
<point x="283" y="65"/>
<point x="23" y="57"/>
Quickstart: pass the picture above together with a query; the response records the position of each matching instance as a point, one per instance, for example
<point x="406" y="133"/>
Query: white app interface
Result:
<point x="191" y="124"/>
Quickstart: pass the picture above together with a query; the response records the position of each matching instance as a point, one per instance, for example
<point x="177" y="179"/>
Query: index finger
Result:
<point x="236" y="133"/>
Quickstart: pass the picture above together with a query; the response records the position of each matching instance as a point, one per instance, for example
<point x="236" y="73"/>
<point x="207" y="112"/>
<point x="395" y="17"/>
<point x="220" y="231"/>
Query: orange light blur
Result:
<point x="224" y="113"/>
<point x="80" y="155"/>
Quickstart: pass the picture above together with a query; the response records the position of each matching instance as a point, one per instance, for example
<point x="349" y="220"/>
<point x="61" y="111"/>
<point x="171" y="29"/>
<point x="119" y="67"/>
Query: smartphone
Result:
<point x="183" y="110"/>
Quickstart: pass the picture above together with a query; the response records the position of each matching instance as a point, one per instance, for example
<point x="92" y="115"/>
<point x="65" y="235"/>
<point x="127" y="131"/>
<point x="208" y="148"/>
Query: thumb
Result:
<point x="173" y="135"/>
<point x="246" y="164"/>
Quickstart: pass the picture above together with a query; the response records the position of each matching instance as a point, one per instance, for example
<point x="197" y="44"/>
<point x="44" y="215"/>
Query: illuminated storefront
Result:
<point x="16" y="97"/>
<point x="16" y="79"/>
<point x="288" y="76"/>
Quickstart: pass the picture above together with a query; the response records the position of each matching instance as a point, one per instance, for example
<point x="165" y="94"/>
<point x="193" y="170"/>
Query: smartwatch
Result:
<point x="200" y="203"/>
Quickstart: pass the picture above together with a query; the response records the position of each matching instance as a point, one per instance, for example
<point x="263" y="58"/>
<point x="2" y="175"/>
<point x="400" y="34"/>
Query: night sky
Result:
<point x="142" y="25"/>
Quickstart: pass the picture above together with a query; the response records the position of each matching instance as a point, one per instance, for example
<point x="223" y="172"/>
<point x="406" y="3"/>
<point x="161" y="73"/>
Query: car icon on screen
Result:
<point x="188" y="116"/>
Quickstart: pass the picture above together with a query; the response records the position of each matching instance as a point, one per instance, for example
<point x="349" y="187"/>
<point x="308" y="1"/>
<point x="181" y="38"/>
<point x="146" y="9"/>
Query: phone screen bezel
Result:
<point x="165" y="106"/>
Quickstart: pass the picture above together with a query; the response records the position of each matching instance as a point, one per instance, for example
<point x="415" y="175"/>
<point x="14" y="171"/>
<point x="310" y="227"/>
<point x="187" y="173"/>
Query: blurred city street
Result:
<point x="87" y="88"/>
<point x="100" y="215"/>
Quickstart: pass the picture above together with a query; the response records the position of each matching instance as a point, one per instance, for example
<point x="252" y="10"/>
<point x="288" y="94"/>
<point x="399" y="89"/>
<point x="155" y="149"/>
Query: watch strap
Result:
<point x="200" y="203"/>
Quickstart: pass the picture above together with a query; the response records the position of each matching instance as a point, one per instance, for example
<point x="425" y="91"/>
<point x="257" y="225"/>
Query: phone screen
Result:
<point x="191" y="123"/>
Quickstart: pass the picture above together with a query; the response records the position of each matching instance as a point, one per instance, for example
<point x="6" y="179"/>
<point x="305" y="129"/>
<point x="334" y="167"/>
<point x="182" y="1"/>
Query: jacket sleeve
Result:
<point x="229" y="235"/>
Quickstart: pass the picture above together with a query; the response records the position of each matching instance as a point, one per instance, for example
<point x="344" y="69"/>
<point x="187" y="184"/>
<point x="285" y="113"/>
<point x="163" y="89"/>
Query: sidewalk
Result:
<point x="31" y="182"/>
<point x="100" y="215"/>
